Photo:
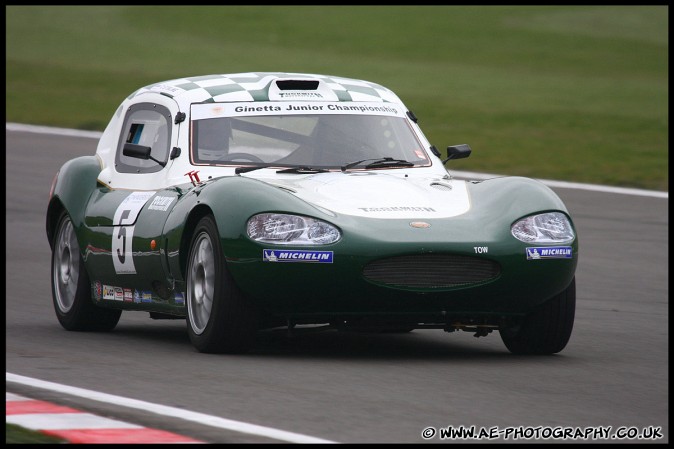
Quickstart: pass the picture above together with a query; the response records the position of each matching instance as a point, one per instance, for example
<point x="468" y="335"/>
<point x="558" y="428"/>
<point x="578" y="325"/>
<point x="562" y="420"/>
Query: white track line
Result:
<point x="199" y="418"/>
<point x="65" y="421"/>
<point x="51" y="130"/>
<point x="458" y="174"/>
<point x="570" y="185"/>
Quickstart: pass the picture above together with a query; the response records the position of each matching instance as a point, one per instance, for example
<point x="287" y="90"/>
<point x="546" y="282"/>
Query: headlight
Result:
<point x="551" y="227"/>
<point x="284" y="229"/>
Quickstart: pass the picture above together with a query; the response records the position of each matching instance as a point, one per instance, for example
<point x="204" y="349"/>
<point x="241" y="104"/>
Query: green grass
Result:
<point x="20" y="435"/>
<point x="577" y="93"/>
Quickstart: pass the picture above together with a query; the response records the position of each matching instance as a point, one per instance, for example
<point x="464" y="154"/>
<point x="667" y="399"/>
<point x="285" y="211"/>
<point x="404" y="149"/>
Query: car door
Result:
<point x="125" y="217"/>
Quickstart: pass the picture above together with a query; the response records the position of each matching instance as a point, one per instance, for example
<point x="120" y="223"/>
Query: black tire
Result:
<point x="71" y="288"/>
<point x="219" y="318"/>
<point x="547" y="330"/>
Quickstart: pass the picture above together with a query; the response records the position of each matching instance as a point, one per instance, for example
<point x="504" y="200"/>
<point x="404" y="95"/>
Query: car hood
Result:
<point x="379" y="195"/>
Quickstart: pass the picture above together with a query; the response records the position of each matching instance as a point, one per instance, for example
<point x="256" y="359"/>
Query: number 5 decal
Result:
<point x="122" y="231"/>
<point x="122" y="235"/>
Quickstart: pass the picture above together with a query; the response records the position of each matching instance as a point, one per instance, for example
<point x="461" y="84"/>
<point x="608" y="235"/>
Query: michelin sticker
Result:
<point x="273" y="255"/>
<point x="122" y="233"/>
<point x="549" y="252"/>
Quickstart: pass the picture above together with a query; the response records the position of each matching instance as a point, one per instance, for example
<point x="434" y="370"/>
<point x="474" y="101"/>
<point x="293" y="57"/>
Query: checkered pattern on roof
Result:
<point x="254" y="86"/>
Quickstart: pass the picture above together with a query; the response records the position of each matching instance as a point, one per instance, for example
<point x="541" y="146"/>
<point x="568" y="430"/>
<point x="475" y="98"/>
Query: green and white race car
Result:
<point x="259" y="200"/>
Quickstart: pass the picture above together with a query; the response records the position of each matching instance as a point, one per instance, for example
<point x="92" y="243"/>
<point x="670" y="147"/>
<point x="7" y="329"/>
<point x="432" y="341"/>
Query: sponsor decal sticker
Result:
<point x="161" y="203"/>
<point x="137" y="296"/>
<point x="146" y="297"/>
<point x="161" y="87"/>
<point x="549" y="252"/>
<point x="287" y="95"/>
<point x="294" y="255"/>
<point x="205" y="111"/>
<point x="119" y="294"/>
<point x="108" y="292"/>
<point x="128" y="295"/>
<point x="179" y="298"/>
<point x="98" y="290"/>
<point x="398" y="209"/>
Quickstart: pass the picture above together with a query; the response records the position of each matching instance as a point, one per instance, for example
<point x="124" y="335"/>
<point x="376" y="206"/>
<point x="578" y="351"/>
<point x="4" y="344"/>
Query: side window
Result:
<point x="149" y="125"/>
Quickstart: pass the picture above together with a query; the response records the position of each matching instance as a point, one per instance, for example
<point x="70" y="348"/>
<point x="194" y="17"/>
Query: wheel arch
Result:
<point x="54" y="210"/>
<point x="196" y="214"/>
<point x="74" y="184"/>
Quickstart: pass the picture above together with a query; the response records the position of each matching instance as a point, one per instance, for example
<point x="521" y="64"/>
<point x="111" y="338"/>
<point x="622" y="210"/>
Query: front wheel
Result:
<point x="546" y="330"/>
<point x="71" y="290"/>
<point x="219" y="319"/>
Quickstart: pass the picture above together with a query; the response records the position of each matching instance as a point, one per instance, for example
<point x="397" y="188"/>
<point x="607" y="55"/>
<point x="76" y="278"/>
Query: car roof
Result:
<point x="268" y="86"/>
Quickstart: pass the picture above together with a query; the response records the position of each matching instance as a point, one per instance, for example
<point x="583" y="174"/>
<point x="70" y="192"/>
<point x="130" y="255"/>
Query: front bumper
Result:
<point x="483" y="276"/>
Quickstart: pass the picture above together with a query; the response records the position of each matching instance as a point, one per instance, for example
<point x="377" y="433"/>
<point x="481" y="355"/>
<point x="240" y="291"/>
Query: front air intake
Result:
<point x="297" y="84"/>
<point x="431" y="271"/>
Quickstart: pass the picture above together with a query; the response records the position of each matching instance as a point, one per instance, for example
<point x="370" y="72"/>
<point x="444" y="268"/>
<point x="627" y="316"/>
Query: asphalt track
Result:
<point x="354" y="388"/>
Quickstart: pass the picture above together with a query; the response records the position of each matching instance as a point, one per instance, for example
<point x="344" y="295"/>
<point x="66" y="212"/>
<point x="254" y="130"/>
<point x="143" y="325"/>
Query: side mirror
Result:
<point x="137" y="151"/>
<point x="140" y="152"/>
<point x="457" y="152"/>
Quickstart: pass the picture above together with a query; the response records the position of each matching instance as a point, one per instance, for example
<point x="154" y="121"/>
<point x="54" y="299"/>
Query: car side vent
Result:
<point x="297" y="84"/>
<point x="287" y="189"/>
<point x="441" y="186"/>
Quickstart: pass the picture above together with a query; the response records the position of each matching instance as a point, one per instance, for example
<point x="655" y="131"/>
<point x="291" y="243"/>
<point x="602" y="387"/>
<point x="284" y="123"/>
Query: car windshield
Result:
<point x="304" y="134"/>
